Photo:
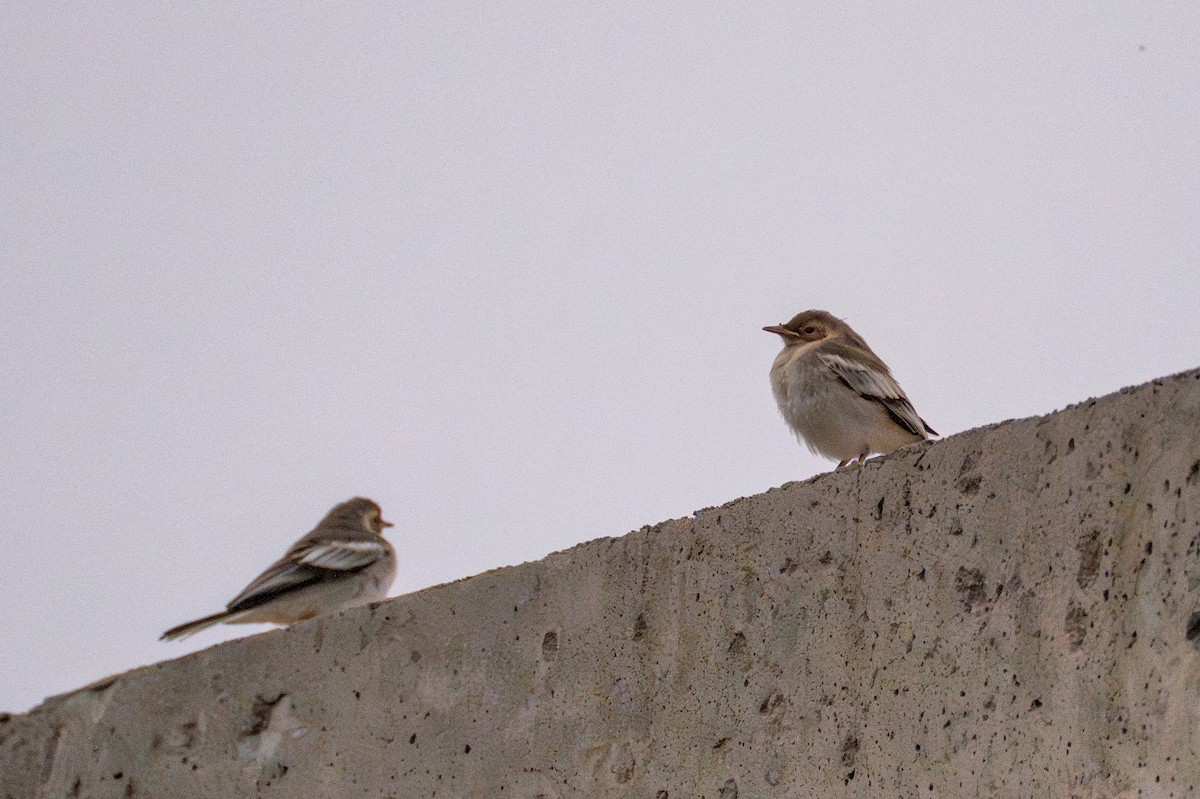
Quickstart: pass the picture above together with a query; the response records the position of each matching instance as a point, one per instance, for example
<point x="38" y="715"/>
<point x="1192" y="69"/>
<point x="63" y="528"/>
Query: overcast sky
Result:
<point x="503" y="268"/>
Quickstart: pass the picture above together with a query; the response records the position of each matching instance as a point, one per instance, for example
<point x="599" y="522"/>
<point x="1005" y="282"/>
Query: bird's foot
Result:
<point x="851" y="463"/>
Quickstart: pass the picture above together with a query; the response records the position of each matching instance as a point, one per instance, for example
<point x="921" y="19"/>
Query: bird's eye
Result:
<point x="808" y="331"/>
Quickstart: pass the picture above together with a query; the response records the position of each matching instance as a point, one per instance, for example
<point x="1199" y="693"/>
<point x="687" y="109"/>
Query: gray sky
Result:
<point x="503" y="269"/>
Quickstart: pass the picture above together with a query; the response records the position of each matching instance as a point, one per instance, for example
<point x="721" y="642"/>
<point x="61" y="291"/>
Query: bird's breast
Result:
<point x="795" y="373"/>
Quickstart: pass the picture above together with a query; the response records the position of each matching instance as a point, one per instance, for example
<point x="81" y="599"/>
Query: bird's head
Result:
<point x="359" y="512"/>
<point x="808" y="327"/>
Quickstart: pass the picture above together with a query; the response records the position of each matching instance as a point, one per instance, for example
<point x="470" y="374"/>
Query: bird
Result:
<point x="343" y="562"/>
<point x="836" y="394"/>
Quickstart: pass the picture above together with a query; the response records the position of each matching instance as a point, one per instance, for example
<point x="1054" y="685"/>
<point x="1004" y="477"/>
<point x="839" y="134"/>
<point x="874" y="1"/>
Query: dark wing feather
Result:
<point x="870" y="378"/>
<point x="306" y="563"/>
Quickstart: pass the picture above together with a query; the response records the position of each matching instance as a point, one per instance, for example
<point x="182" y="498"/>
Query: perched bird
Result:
<point x="836" y="394"/>
<point x="344" y="562"/>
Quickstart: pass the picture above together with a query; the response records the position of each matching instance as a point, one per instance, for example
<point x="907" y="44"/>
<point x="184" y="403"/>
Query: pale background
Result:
<point x="503" y="268"/>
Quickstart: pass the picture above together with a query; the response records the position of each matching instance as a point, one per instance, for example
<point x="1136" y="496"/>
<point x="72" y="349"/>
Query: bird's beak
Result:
<point x="780" y="330"/>
<point x="383" y="523"/>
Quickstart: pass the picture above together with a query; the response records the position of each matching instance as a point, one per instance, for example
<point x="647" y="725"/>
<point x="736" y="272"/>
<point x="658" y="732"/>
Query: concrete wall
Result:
<point x="1012" y="612"/>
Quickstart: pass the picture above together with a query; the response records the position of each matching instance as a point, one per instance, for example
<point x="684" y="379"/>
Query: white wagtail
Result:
<point x="344" y="562"/>
<point x="836" y="394"/>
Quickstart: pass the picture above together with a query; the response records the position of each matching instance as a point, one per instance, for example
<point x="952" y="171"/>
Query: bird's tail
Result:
<point x="193" y="627"/>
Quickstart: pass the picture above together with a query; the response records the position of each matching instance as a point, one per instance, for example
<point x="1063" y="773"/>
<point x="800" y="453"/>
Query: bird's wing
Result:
<point x="869" y="377"/>
<point x="340" y="554"/>
<point x="309" y="561"/>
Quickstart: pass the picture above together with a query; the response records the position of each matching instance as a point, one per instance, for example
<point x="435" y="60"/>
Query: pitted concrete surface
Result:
<point x="1011" y="612"/>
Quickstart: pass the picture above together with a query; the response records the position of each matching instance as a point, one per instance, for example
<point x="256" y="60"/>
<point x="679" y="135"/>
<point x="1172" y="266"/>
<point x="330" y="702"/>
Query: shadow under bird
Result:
<point x="836" y="394"/>
<point x="343" y="563"/>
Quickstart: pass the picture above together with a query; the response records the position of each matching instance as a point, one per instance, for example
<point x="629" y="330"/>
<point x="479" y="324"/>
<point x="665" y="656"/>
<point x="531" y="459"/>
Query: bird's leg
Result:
<point x="862" y="457"/>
